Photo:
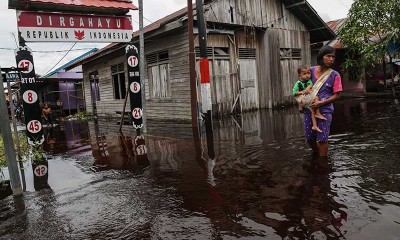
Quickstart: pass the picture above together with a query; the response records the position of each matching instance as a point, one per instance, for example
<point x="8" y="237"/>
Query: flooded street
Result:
<point x="263" y="183"/>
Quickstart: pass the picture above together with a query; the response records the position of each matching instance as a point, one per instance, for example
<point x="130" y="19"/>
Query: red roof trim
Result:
<point x="116" y="4"/>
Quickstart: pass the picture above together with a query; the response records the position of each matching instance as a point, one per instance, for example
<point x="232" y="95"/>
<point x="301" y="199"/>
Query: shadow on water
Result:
<point x="254" y="178"/>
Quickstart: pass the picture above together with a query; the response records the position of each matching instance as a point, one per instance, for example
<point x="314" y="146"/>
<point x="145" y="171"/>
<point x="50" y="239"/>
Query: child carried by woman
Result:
<point x="305" y="93"/>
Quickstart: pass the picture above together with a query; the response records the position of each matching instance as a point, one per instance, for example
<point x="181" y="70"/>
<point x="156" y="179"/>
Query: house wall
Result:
<point x="107" y="104"/>
<point x="265" y="83"/>
<point x="258" y="13"/>
<point x="177" y="105"/>
<point x="271" y="27"/>
<point x="278" y="76"/>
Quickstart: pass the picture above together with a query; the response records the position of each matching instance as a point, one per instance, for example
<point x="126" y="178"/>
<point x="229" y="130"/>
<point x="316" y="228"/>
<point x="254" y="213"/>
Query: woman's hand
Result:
<point x="317" y="104"/>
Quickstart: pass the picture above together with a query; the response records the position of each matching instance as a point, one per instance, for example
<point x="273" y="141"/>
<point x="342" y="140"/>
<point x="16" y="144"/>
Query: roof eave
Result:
<point x="319" y="30"/>
<point x="38" y="6"/>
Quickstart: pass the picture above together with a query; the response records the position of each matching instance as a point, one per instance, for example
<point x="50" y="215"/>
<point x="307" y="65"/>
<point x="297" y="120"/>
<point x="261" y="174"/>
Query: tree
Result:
<point x="370" y="27"/>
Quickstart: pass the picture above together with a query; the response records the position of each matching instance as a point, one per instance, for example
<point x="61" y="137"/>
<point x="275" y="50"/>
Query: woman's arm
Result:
<point x="317" y="104"/>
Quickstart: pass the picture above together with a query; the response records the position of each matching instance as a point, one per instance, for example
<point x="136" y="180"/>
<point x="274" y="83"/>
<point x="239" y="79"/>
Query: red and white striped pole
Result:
<point x="204" y="68"/>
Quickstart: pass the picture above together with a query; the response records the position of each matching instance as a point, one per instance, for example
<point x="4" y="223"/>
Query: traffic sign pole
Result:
<point x="9" y="144"/>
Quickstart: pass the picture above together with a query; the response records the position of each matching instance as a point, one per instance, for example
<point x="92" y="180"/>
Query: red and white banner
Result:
<point x="55" y="27"/>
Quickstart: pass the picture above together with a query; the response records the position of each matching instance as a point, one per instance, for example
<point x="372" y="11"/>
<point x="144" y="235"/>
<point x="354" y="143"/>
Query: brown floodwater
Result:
<point x="255" y="178"/>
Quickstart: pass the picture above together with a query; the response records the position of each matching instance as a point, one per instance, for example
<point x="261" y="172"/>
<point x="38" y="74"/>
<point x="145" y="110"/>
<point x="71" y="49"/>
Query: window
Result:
<point x="290" y="53"/>
<point x="94" y="86"/>
<point x="247" y="53"/>
<point x="118" y="80"/>
<point x="158" y="72"/>
<point x="221" y="53"/>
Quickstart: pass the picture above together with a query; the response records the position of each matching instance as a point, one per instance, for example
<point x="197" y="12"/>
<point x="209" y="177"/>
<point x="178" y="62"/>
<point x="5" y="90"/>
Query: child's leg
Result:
<point x="314" y="121"/>
<point x="317" y="112"/>
<point x="300" y="107"/>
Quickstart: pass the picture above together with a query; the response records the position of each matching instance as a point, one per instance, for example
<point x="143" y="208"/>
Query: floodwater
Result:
<point x="254" y="179"/>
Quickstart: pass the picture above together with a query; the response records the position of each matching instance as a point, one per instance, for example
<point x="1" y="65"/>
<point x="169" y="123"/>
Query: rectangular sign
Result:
<point x="57" y="27"/>
<point x="12" y="76"/>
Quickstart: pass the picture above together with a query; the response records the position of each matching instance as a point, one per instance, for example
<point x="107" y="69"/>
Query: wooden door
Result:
<point x="248" y="81"/>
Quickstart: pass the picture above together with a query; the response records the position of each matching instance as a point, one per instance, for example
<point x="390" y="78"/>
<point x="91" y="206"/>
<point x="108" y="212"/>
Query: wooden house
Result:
<point x="254" y="48"/>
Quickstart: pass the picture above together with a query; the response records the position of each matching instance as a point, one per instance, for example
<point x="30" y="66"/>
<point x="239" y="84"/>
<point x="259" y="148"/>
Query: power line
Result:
<point x="148" y="19"/>
<point x="60" y="59"/>
<point x="345" y="5"/>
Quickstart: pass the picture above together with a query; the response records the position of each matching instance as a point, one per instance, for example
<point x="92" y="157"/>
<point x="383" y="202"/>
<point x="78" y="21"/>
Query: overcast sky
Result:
<point x="153" y="10"/>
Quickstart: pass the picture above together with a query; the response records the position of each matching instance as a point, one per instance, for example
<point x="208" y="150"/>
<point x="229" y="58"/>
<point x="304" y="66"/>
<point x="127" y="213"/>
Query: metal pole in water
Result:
<point x="9" y="144"/>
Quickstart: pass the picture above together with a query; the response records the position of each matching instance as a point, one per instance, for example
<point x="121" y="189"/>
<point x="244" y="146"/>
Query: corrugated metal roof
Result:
<point x="155" y="25"/>
<point x="335" y="25"/>
<point x="123" y="4"/>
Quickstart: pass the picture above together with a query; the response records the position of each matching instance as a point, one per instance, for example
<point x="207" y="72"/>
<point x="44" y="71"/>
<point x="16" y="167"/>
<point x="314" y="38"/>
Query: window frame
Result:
<point x="159" y="59"/>
<point x="117" y="71"/>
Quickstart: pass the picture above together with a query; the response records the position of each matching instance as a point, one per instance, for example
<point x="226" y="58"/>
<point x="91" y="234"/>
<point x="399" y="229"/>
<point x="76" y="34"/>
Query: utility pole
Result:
<point x="14" y="121"/>
<point x="8" y="143"/>
<point x="205" y="81"/>
<point x="204" y="68"/>
<point x="192" y="66"/>
<point x="141" y="65"/>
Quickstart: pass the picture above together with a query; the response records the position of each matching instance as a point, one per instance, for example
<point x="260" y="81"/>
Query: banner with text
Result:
<point x="58" y="27"/>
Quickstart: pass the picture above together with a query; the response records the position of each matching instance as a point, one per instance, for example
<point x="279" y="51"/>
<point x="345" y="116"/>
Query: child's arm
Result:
<point x="295" y="90"/>
<point x="308" y="89"/>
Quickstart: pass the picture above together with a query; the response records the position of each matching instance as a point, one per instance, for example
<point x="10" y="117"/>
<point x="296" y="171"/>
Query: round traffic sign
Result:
<point x="137" y="113"/>
<point x="135" y="87"/>
<point x="133" y="61"/>
<point x="29" y="96"/>
<point x="26" y="64"/>
<point x="40" y="170"/>
<point x="34" y="126"/>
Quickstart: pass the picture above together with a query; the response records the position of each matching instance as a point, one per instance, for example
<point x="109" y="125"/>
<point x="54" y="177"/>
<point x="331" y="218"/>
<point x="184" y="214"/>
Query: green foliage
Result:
<point x="81" y="116"/>
<point x="38" y="155"/>
<point x="370" y="27"/>
<point x="24" y="147"/>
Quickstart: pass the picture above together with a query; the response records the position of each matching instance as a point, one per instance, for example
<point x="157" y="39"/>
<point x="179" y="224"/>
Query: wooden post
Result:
<point x="192" y="67"/>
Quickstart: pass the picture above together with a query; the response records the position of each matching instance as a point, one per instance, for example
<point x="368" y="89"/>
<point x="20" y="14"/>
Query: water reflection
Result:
<point x="253" y="178"/>
<point x="117" y="152"/>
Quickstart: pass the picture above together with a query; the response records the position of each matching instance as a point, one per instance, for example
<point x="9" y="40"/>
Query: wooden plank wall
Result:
<point x="276" y="80"/>
<point x="107" y="104"/>
<point x="260" y="13"/>
<point x="249" y="84"/>
<point x="292" y="39"/>
<point x="177" y="106"/>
